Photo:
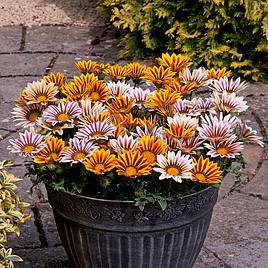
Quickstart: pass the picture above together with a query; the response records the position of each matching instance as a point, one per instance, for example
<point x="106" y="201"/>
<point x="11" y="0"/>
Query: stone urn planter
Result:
<point x="116" y="234"/>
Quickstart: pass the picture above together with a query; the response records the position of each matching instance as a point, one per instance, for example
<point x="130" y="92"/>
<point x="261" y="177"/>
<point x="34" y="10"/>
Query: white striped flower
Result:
<point x="175" y="166"/>
<point x="197" y="75"/>
<point x="124" y="143"/>
<point x="96" y="131"/>
<point x="228" y="148"/>
<point x="201" y="105"/>
<point x="27" y="144"/>
<point x="27" y="116"/>
<point x="183" y="107"/>
<point x="64" y="112"/>
<point x="139" y="95"/>
<point x="78" y="151"/>
<point x="118" y="88"/>
<point x="190" y="146"/>
<point x="40" y="92"/>
<point x="229" y="103"/>
<point x="228" y="85"/>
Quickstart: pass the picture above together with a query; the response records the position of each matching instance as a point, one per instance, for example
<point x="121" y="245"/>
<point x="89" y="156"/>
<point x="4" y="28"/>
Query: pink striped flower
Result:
<point x="190" y="146"/>
<point x="124" y="143"/>
<point x="229" y="103"/>
<point x="197" y="75"/>
<point x="183" y="107"/>
<point x="246" y="133"/>
<point x="186" y="121"/>
<point x="139" y="95"/>
<point x="147" y="131"/>
<point x="228" y="148"/>
<point x="118" y="88"/>
<point x="96" y="131"/>
<point x="27" y="116"/>
<point x="64" y="112"/>
<point x="78" y="151"/>
<point x="27" y="144"/>
<point x="228" y="85"/>
<point x="203" y="106"/>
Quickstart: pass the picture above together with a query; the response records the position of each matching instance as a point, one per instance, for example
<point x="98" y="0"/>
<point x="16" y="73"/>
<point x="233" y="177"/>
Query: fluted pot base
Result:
<point x="112" y="234"/>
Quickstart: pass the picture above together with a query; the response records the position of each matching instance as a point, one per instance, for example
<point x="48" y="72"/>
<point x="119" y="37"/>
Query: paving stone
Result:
<point x="239" y="230"/>
<point x="24" y="64"/>
<point x="42" y="257"/>
<point x="6" y="121"/>
<point x="60" y="38"/>
<point x="11" y="87"/>
<point x="10" y="38"/>
<point x="259" y="186"/>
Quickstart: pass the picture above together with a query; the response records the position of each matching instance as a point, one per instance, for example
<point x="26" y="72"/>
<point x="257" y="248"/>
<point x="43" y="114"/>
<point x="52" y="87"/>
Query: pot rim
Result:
<point x="129" y="201"/>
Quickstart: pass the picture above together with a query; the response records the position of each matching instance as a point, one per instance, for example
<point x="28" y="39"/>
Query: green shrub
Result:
<point x="214" y="33"/>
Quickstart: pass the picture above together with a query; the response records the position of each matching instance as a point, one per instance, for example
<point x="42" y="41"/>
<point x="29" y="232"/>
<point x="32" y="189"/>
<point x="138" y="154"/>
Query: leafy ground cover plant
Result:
<point x="132" y="132"/>
<point x="213" y="33"/>
<point x="12" y="213"/>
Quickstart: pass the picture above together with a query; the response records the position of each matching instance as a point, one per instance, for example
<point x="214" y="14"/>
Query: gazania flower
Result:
<point x="87" y="66"/>
<point x="206" y="171"/>
<point x="176" y="63"/>
<point x="183" y="106"/>
<point x="21" y="101"/>
<point x="128" y="121"/>
<point x="62" y="113"/>
<point x="136" y="70"/>
<point x="27" y="144"/>
<point x="228" y="148"/>
<point x="214" y="131"/>
<point x="218" y="73"/>
<point x="149" y="131"/>
<point x="175" y="166"/>
<point x="120" y="105"/>
<point x="229" y="103"/>
<point x="54" y="129"/>
<point x="132" y="164"/>
<point x="139" y="95"/>
<point x="100" y="162"/>
<point x="173" y="143"/>
<point x="190" y="146"/>
<point x="27" y="115"/>
<point x="230" y="86"/>
<point x="97" y="91"/>
<point x="199" y="76"/>
<point x="246" y="133"/>
<point x="78" y="151"/>
<point x="159" y="76"/>
<point x="163" y="101"/>
<point x="119" y="131"/>
<point x="124" y="143"/>
<point x="187" y="121"/>
<point x="150" y="147"/>
<point x="203" y="106"/>
<point x="58" y="79"/>
<point x="183" y="89"/>
<point x="117" y="72"/>
<point x="118" y="88"/>
<point x="40" y="92"/>
<point x="96" y="131"/>
<point x="51" y="152"/>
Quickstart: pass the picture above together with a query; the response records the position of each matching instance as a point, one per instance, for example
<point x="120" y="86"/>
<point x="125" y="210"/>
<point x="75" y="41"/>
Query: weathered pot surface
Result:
<point x="116" y="234"/>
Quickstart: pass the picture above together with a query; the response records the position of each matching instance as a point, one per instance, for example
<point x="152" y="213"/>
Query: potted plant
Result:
<point x="132" y="157"/>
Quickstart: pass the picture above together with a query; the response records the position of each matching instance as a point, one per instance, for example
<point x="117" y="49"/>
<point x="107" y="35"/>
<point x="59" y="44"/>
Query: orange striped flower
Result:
<point x="206" y="171"/>
<point x="120" y="105"/>
<point x="162" y="101"/>
<point x="218" y="73"/>
<point x="132" y="164"/>
<point x="176" y="63"/>
<point x="136" y="70"/>
<point x="59" y="79"/>
<point x="51" y="152"/>
<point x="150" y="147"/>
<point x="117" y="72"/>
<point x="85" y="67"/>
<point x="183" y="89"/>
<point x="159" y="76"/>
<point x="100" y="161"/>
<point x="97" y="91"/>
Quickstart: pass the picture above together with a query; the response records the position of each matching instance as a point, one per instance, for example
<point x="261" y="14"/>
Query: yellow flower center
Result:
<point x="173" y="171"/>
<point x="131" y="171"/>
<point x="99" y="168"/>
<point x="150" y="156"/>
<point x="41" y="98"/>
<point x="33" y="116"/>
<point x="28" y="149"/>
<point x="78" y="155"/>
<point x="63" y="117"/>
<point x="222" y="151"/>
<point x="53" y="156"/>
<point x="95" y="96"/>
<point x="200" y="177"/>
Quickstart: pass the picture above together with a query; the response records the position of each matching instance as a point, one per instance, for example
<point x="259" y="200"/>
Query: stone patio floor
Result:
<point x="238" y="234"/>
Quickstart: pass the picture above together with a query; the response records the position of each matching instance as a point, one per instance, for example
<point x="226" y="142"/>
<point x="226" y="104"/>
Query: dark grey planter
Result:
<point x="112" y="234"/>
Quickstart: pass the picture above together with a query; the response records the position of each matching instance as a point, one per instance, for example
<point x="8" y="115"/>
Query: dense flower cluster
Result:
<point x="135" y="122"/>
